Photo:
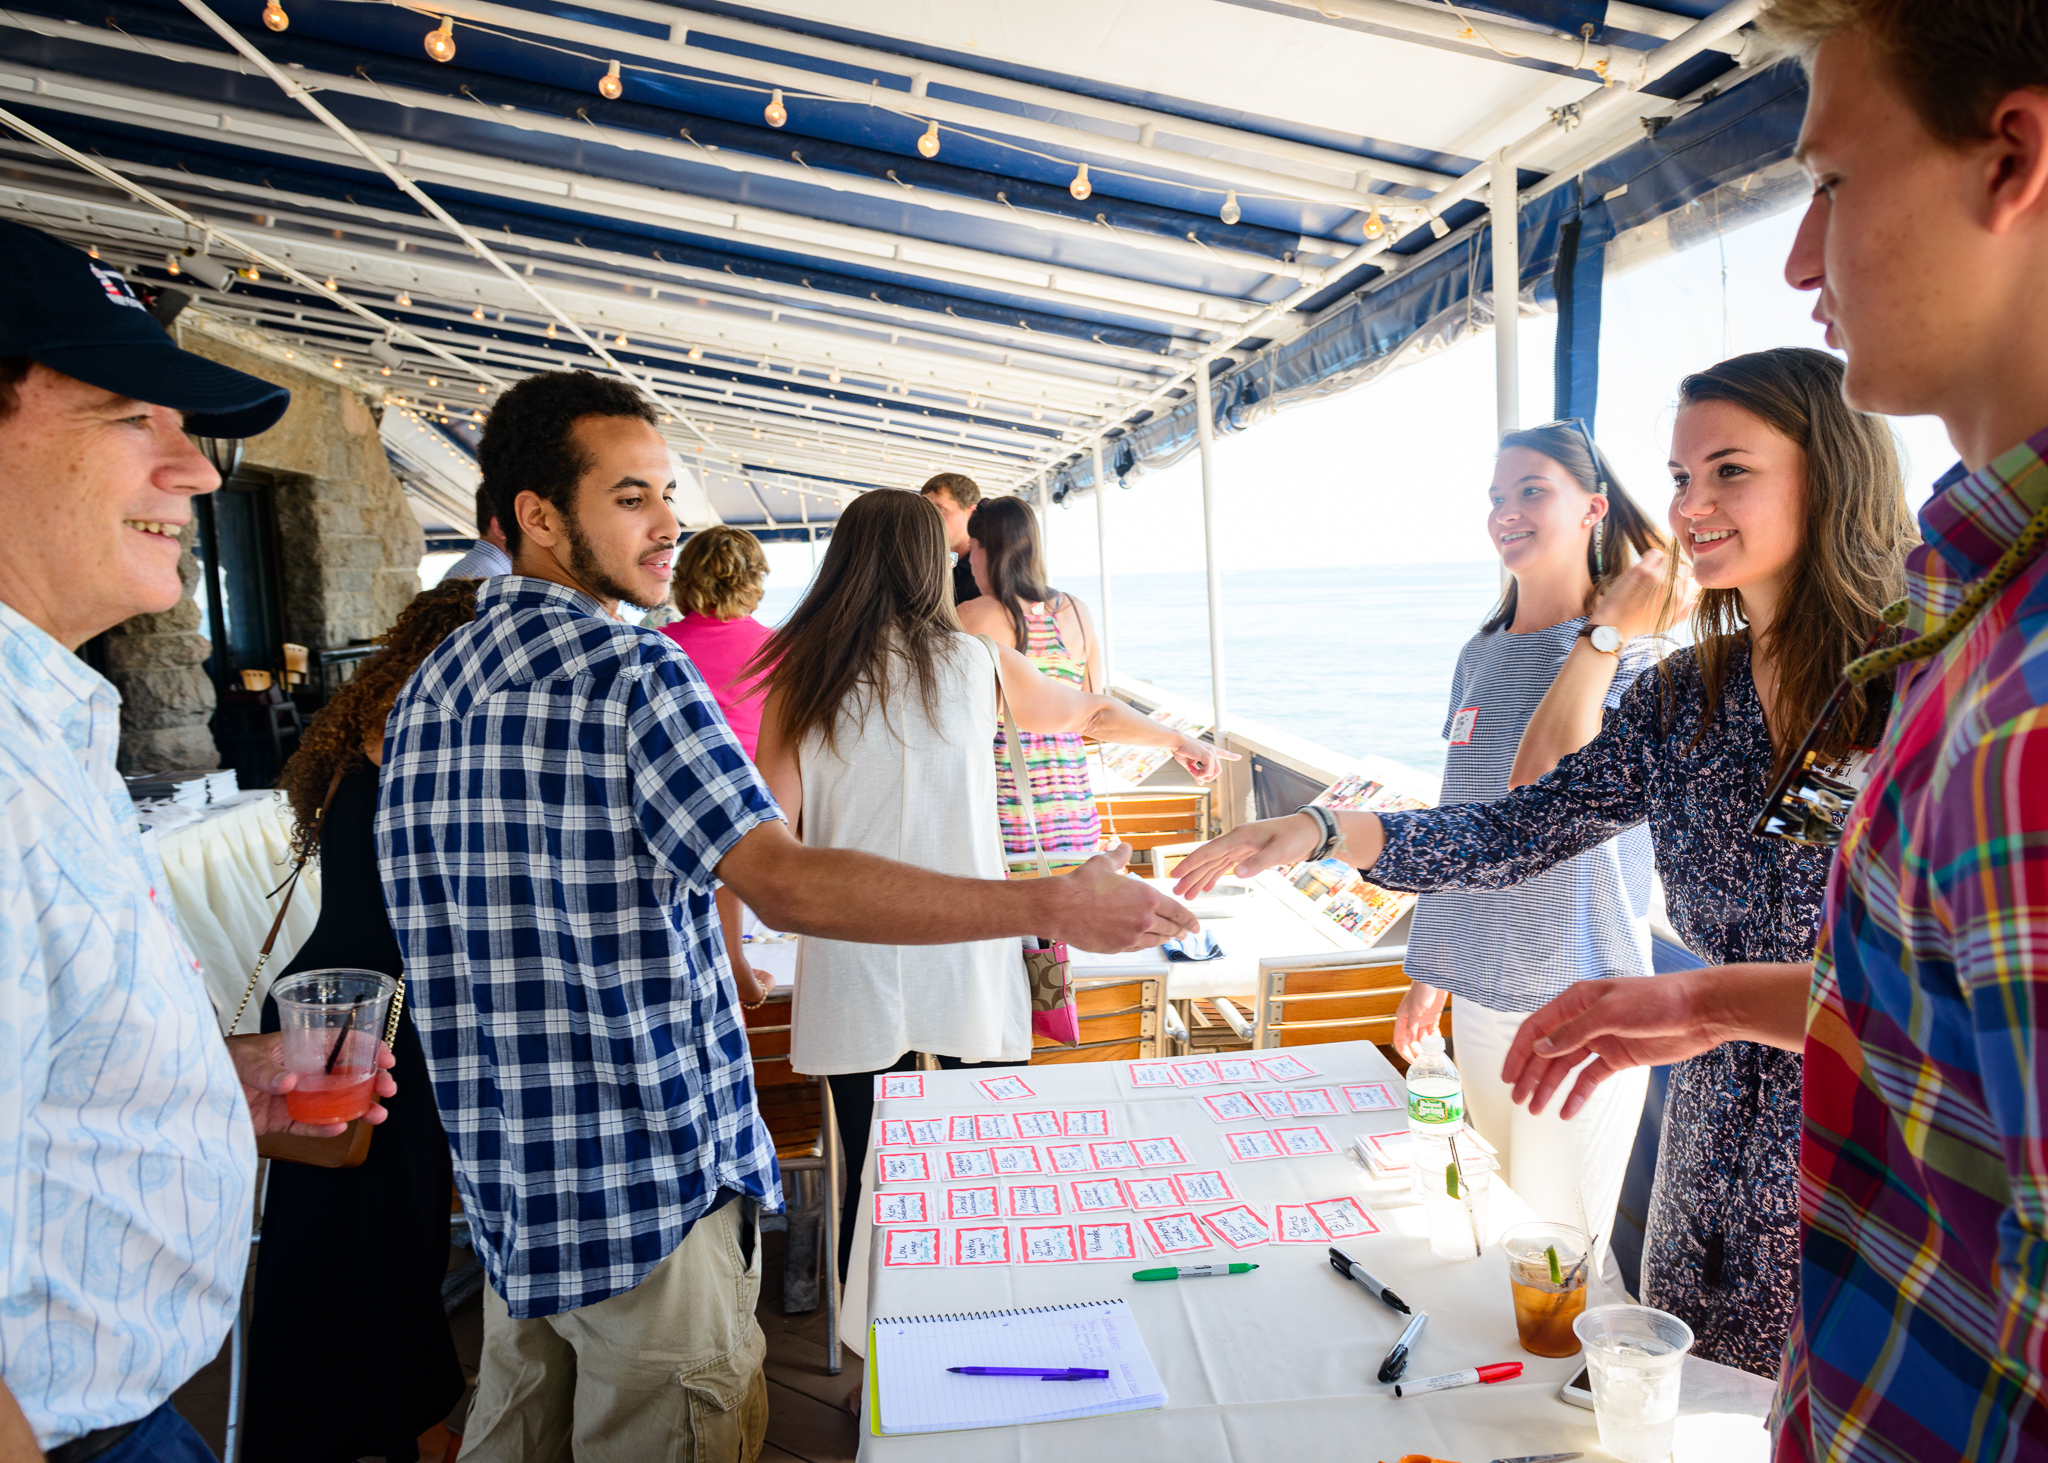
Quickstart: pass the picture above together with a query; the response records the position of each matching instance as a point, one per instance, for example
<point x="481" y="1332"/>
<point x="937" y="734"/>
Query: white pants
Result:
<point x="1547" y="1161"/>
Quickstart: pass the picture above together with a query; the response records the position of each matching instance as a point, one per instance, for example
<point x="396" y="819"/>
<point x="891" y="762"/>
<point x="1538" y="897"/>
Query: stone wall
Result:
<point x="166" y="696"/>
<point x="350" y="546"/>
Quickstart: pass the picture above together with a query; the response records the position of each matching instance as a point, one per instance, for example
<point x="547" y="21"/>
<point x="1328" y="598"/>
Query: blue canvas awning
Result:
<point x="848" y="243"/>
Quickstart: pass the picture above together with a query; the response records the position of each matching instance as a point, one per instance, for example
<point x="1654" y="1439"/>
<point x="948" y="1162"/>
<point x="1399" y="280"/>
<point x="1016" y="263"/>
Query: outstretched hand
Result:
<point x="1637" y="603"/>
<point x="1100" y="910"/>
<point x="259" y="1063"/>
<point x="1203" y="760"/>
<point x="1247" y="849"/>
<point x="1631" y="1022"/>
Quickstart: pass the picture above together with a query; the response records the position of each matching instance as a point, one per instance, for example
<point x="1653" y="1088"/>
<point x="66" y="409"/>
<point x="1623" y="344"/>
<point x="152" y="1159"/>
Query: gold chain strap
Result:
<point x="1951" y="625"/>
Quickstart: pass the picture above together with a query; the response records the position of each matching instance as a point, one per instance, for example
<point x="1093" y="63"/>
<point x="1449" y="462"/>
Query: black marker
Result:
<point x="1350" y="1269"/>
<point x="1397" y="1359"/>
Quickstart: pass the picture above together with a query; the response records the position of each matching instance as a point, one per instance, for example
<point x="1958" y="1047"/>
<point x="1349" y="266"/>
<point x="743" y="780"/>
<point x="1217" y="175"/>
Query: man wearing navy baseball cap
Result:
<point x="127" y="1155"/>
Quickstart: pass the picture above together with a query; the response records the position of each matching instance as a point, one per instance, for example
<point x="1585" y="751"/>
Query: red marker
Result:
<point x="1500" y="1371"/>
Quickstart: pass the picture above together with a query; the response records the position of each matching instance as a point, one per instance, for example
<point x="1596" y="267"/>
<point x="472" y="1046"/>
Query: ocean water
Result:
<point x="1358" y="659"/>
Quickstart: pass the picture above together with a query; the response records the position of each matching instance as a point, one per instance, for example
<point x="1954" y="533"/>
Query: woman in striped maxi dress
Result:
<point x="1053" y="632"/>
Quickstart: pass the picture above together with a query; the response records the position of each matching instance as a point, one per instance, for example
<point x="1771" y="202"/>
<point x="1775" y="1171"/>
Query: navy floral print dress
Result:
<point x="1722" y="1250"/>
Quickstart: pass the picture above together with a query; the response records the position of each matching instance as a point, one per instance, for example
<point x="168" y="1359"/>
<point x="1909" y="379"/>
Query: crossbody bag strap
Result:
<point x="291" y="887"/>
<point x="1012" y="743"/>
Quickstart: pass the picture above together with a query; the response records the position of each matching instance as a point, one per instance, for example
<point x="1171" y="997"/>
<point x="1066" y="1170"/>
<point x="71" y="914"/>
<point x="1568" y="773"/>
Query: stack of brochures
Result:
<point x="910" y="1389"/>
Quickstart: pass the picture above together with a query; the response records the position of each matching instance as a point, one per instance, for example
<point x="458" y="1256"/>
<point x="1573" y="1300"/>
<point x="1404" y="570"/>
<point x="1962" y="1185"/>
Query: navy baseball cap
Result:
<point x="65" y="309"/>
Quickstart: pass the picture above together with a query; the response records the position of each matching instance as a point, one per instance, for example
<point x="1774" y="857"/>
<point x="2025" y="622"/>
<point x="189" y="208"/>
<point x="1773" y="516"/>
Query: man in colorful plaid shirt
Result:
<point x="560" y="798"/>
<point x="1924" y="1287"/>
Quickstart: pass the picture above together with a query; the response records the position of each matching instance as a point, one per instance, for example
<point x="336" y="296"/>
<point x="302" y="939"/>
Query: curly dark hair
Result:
<point x="526" y="446"/>
<point x="334" y="741"/>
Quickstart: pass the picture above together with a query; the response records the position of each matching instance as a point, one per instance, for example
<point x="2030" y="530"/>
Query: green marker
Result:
<point x="1192" y="1272"/>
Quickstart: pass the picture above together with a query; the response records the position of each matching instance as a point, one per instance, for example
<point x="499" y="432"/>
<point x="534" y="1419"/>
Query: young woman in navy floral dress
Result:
<point x="1791" y="509"/>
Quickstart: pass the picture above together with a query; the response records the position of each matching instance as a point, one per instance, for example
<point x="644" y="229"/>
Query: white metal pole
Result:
<point x="1507" y="296"/>
<point x="1205" y="435"/>
<point x="1102" y="569"/>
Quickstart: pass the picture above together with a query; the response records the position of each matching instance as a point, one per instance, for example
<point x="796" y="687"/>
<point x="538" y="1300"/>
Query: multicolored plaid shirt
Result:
<point x="1923" y="1333"/>
<point x="558" y="790"/>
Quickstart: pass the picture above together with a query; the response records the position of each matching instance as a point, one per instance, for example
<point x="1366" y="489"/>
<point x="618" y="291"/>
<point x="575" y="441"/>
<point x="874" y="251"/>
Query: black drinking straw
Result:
<point x="347" y="1022"/>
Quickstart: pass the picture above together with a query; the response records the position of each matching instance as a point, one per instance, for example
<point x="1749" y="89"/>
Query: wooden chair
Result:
<point x="1339" y="996"/>
<point x="798" y="1112"/>
<point x="1120" y="1021"/>
<point x="1154" y="821"/>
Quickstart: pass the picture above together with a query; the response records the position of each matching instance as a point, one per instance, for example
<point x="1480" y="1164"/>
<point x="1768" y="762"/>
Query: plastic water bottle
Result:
<point x="1436" y="1109"/>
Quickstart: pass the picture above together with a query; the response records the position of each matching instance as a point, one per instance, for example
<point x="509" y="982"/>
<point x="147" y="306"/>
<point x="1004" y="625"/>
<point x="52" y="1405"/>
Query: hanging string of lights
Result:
<point x="776" y="114"/>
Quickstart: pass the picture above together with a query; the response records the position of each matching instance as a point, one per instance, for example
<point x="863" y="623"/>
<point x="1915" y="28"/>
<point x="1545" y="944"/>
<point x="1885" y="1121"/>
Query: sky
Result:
<point x="1396" y="472"/>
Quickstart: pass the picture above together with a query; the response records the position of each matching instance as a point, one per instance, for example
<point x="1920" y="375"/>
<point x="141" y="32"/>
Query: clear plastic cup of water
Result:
<point x="1635" y="1354"/>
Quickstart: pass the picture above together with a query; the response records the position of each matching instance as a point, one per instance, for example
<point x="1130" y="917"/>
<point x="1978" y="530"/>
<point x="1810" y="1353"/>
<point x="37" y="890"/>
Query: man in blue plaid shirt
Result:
<point x="560" y="797"/>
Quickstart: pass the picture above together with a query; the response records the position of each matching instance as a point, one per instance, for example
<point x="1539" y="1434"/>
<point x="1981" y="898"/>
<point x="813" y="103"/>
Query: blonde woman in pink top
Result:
<point x="718" y="586"/>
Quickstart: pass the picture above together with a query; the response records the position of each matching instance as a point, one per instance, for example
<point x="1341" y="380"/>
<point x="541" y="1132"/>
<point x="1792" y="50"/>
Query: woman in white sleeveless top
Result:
<point x="875" y="736"/>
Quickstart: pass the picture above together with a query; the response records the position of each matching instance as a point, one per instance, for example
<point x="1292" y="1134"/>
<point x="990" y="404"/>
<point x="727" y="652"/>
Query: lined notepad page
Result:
<point x="914" y="1393"/>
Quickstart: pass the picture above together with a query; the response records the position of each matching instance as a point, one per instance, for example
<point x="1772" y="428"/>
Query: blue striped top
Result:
<point x="1513" y="949"/>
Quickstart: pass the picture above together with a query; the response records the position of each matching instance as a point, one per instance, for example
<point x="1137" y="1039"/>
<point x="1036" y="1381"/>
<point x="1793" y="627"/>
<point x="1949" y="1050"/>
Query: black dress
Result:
<point x="350" y="1355"/>
<point x="1722" y="1244"/>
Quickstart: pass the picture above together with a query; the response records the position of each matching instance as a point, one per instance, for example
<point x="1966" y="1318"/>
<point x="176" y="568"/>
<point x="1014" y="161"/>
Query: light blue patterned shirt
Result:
<point x="558" y="791"/>
<point x="127" y="1161"/>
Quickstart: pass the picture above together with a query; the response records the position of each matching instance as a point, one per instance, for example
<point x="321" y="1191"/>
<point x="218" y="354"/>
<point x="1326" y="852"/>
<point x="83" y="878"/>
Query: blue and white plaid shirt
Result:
<point x="558" y="788"/>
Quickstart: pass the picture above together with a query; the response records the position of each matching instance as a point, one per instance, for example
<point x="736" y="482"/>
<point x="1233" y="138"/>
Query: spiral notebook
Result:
<point x="910" y="1390"/>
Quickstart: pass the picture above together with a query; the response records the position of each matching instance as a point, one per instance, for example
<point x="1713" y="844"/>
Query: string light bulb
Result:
<point x="329" y="286"/>
<point x="441" y="43"/>
<point x="274" y="16"/>
<point x="1037" y="414"/>
<point x="92" y="251"/>
<point x="609" y="86"/>
<point x="337" y="363"/>
<point x="833" y="376"/>
<point x="433" y="380"/>
<point x="696" y="352"/>
<point x="1230" y="212"/>
<point x="1375" y="226"/>
<point x="619" y="339"/>
<point x="1081" y="188"/>
<point x="775" y="112"/>
<point x="402" y="300"/>
<point x="552" y="332"/>
<point x="973" y="400"/>
<point x="928" y="144"/>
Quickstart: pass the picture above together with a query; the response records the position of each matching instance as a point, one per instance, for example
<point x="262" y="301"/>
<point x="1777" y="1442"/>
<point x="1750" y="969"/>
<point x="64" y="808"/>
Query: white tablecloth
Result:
<point x="1280" y="1364"/>
<point x="1262" y="922"/>
<point x="220" y="871"/>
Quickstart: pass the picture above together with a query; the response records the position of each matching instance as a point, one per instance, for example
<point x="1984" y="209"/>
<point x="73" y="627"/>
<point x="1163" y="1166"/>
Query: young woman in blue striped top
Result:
<point x="1568" y="534"/>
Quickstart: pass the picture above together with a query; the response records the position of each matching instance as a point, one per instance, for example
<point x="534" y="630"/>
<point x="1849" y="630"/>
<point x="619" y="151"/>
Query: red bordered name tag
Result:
<point x="1463" y="725"/>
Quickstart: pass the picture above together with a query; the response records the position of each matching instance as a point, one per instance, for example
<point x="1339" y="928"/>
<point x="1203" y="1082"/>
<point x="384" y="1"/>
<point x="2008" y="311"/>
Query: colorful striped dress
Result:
<point x="1056" y="765"/>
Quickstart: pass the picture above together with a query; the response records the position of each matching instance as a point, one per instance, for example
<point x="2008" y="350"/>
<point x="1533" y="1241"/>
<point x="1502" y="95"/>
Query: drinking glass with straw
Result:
<point x="331" y="1020"/>
<point x="1547" y="1270"/>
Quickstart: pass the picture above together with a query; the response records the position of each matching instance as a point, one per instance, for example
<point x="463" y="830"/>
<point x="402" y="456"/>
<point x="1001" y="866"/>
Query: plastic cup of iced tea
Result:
<point x="332" y="1021"/>
<point x="1547" y="1276"/>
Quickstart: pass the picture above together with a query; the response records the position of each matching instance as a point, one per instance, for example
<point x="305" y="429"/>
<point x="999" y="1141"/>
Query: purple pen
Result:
<point x="1043" y="1373"/>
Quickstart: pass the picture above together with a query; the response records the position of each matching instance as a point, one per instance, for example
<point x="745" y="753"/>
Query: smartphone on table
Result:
<point x="1578" y="1391"/>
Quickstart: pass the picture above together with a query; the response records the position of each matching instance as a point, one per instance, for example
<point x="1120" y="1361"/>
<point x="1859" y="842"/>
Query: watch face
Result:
<point x="1607" y="638"/>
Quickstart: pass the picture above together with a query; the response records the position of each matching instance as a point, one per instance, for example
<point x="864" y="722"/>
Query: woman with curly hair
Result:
<point x="718" y="585"/>
<point x="348" y="1274"/>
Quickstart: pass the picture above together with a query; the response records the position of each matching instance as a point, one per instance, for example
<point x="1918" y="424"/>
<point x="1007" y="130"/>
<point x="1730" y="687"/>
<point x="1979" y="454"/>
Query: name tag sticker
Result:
<point x="1463" y="725"/>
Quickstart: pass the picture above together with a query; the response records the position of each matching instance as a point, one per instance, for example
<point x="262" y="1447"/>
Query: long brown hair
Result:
<point x="882" y="592"/>
<point x="1855" y="530"/>
<point x="1013" y="557"/>
<point x="334" y="741"/>
<point x="1628" y="535"/>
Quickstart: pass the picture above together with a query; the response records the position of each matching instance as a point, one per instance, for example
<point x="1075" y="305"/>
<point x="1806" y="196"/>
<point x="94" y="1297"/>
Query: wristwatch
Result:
<point x="1606" y="639"/>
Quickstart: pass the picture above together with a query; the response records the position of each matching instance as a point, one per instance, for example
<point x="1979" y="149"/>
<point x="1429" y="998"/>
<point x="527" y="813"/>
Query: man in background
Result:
<point x="954" y="494"/>
<point x="127" y="1160"/>
<point x="561" y="796"/>
<point x="1922" y="1334"/>
<point x="487" y="556"/>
